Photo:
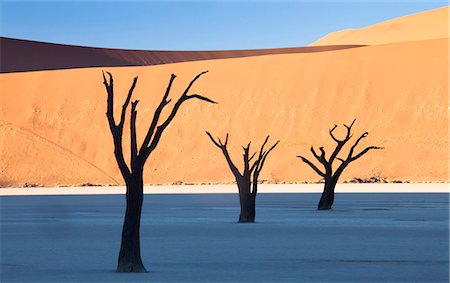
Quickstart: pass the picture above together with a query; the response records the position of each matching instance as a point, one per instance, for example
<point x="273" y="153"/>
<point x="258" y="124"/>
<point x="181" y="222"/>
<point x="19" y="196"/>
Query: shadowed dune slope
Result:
<point x="54" y="128"/>
<point x="432" y="24"/>
<point x="24" y="55"/>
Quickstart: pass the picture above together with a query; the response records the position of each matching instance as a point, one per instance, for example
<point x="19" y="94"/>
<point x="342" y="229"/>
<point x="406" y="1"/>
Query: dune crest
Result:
<point x="432" y="24"/>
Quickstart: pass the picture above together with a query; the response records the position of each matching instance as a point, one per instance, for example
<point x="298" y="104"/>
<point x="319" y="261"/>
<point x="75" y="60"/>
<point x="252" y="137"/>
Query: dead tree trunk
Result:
<point x="247" y="201"/>
<point x="327" y="198"/>
<point x="331" y="178"/>
<point x="130" y="251"/>
<point x="247" y="187"/>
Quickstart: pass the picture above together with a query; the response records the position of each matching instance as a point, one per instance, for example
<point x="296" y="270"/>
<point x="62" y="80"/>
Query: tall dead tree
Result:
<point x="247" y="187"/>
<point x="330" y="177"/>
<point x="130" y="254"/>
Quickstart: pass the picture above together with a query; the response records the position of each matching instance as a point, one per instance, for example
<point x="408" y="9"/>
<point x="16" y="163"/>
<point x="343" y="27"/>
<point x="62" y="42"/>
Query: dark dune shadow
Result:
<point x="25" y="55"/>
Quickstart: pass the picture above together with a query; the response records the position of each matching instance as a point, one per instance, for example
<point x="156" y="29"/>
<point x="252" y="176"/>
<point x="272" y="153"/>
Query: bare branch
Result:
<point x="213" y="140"/>
<point x="261" y="154"/>
<point x="251" y="157"/>
<point x="160" y="129"/>
<point x="311" y="165"/>
<point x="156" y="116"/>
<point x="340" y="143"/>
<point x="192" y="82"/>
<point x="226" y="141"/>
<point x="133" y="133"/>
<point x="321" y="158"/>
<point x="223" y="147"/>
<point x="169" y="85"/>
<point x="332" y="136"/>
<point x="246" y="159"/>
<point x="349" y="129"/>
<point x="259" y="168"/>
<point x="365" y="151"/>
<point x="264" y="144"/>
<point x="116" y="130"/>
<point x="351" y="125"/>
<point x="322" y="153"/>
<point x="231" y="164"/>
<point x="347" y="136"/>
<point x="111" y="83"/>
<point x="255" y="165"/>
<point x="110" y="101"/>
<point x="349" y="159"/>
<point x="127" y="101"/>
<point x="200" y="97"/>
<point x="336" y="151"/>
<point x="315" y="154"/>
<point x="350" y="154"/>
<point x="259" y="163"/>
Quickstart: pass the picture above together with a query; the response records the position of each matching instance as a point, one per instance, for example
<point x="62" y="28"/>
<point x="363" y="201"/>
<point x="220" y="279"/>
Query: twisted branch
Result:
<point x="340" y="144"/>
<point x="148" y="149"/>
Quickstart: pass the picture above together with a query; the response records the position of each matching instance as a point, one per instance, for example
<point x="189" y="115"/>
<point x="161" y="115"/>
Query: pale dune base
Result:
<point x="231" y="189"/>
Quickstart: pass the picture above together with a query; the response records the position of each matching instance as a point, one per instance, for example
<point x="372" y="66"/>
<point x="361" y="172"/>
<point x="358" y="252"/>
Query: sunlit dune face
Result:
<point x="54" y="128"/>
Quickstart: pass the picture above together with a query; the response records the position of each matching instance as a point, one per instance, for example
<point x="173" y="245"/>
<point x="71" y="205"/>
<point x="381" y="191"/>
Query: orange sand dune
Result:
<point x="25" y="55"/>
<point x="53" y="128"/>
<point x="432" y="24"/>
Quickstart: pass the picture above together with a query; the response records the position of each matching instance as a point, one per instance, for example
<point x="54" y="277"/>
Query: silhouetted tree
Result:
<point x="330" y="177"/>
<point x="129" y="256"/>
<point x="247" y="187"/>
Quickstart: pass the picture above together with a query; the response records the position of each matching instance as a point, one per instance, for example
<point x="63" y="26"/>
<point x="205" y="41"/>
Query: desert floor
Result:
<point x="367" y="237"/>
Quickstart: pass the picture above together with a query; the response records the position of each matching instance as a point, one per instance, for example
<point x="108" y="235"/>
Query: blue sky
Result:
<point x="194" y="25"/>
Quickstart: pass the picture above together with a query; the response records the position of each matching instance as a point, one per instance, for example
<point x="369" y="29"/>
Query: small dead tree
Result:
<point x="247" y="187"/>
<point x="330" y="177"/>
<point x="130" y="254"/>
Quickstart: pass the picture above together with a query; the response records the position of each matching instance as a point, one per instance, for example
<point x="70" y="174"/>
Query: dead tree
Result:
<point x="247" y="187"/>
<point x="129" y="255"/>
<point x="330" y="177"/>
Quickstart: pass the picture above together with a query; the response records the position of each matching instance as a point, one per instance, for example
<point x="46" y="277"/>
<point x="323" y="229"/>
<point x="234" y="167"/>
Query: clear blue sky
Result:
<point x="194" y="25"/>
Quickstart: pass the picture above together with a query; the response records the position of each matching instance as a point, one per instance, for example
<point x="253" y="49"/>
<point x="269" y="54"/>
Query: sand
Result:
<point x="432" y="24"/>
<point x="53" y="128"/>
